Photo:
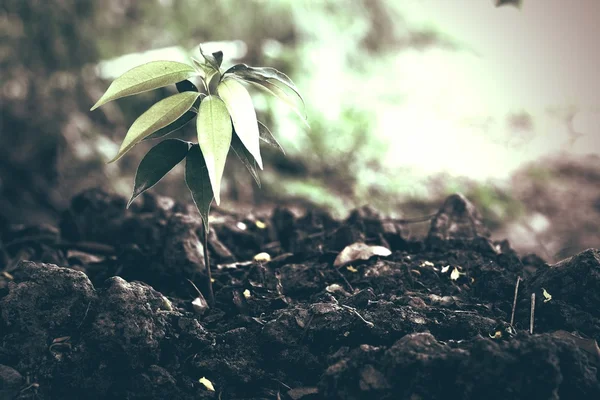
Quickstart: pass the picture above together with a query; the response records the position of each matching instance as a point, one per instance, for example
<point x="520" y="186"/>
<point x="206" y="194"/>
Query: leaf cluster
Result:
<point x="225" y="119"/>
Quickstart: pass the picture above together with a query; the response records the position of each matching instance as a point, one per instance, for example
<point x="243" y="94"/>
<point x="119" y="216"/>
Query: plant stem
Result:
<point x="211" y="295"/>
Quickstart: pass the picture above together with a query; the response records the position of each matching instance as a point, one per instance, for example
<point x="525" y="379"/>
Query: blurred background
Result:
<point x="408" y="102"/>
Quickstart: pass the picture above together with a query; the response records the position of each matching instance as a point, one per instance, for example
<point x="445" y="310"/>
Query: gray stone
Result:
<point x="130" y="322"/>
<point x="457" y="219"/>
<point x="44" y="302"/>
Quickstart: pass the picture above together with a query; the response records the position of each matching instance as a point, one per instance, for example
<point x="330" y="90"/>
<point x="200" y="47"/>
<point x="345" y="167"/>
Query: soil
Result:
<point x="103" y="307"/>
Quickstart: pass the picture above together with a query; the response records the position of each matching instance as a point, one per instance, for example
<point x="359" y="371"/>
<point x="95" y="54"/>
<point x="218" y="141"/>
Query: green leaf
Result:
<point x="267" y="137"/>
<point x="179" y="123"/>
<point x="158" y="116"/>
<point x="157" y="163"/>
<point x="152" y="75"/>
<point x="214" y="59"/>
<point x="239" y="103"/>
<point x="218" y="55"/>
<point x="198" y="182"/>
<point x="214" y="137"/>
<point x="213" y="82"/>
<point x="245" y="157"/>
<point x="186" y="86"/>
<point x="263" y="74"/>
<point x="244" y="71"/>
<point x="274" y="90"/>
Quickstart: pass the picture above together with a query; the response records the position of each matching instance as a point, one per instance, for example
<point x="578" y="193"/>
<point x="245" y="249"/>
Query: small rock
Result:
<point x="43" y="302"/>
<point x="183" y="253"/>
<point x="129" y="324"/>
<point x="575" y="281"/>
<point x="457" y="219"/>
<point x="10" y="382"/>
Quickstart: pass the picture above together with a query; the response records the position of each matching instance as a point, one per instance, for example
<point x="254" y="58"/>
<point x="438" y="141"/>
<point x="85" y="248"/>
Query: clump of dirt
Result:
<point x="103" y="306"/>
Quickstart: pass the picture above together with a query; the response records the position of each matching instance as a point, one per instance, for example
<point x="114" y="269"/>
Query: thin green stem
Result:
<point x="211" y="295"/>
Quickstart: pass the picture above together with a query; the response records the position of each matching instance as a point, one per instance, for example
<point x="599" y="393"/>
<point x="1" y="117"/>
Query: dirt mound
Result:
<point x="102" y="308"/>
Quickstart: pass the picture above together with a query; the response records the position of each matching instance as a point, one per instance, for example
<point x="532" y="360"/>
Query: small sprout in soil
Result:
<point x="455" y="274"/>
<point x="199" y="303"/>
<point x="260" y="225"/>
<point x="547" y="296"/>
<point x="426" y="264"/>
<point x="247" y="294"/>
<point x="351" y="269"/>
<point x="207" y="384"/>
<point x="226" y="121"/>
<point x="496" y="335"/>
<point x="445" y="269"/>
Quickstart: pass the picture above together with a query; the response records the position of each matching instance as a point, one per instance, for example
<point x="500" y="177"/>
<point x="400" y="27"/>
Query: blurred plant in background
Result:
<point x="385" y="92"/>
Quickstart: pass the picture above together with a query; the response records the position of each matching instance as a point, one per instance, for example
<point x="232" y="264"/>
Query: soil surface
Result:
<point x="104" y="306"/>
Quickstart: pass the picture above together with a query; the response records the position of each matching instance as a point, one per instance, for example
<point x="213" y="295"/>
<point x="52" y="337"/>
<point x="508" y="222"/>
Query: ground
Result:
<point x="105" y="306"/>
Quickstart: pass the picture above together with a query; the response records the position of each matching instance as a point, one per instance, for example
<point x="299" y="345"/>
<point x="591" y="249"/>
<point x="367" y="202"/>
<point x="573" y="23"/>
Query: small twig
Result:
<point x="350" y="288"/>
<point x="355" y="312"/>
<point x="514" y="307"/>
<point x="84" y="315"/>
<point x="532" y="315"/>
<point x="281" y="383"/>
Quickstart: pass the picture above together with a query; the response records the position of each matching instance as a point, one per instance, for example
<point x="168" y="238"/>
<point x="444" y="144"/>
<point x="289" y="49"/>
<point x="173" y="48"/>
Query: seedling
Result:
<point x="226" y="120"/>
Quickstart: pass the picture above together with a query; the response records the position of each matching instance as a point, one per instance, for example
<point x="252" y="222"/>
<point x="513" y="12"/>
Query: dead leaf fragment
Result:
<point x="262" y="257"/>
<point x="359" y="251"/>
<point x="200" y="305"/>
<point x="260" y="225"/>
<point x="455" y="274"/>
<point x="298" y="393"/>
<point x="207" y="384"/>
<point x="547" y="296"/>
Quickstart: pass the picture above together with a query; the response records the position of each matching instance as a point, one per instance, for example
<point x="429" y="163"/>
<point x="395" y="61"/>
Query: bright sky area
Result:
<point x="543" y="60"/>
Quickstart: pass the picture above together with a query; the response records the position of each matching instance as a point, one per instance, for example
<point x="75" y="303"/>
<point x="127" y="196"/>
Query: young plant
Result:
<point x="226" y="119"/>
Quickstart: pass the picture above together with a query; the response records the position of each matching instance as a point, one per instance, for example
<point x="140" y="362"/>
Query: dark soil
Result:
<point x="102" y="307"/>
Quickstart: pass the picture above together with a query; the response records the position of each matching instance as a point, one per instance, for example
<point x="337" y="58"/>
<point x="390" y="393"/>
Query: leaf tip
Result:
<point x="115" y="158"/>
<point x="133" y="197"/>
